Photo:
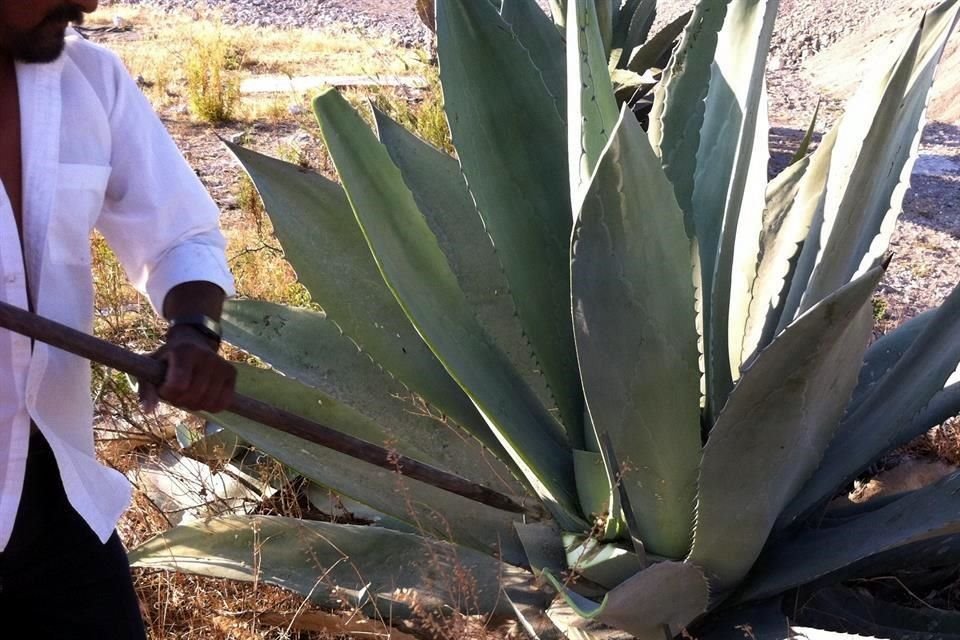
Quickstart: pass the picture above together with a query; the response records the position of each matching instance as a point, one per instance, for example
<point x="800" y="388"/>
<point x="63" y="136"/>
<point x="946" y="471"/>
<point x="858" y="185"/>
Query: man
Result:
<point x="81" y="148"/>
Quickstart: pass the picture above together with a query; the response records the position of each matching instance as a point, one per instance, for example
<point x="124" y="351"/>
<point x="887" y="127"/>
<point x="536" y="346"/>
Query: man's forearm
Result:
<point x="194" y="298"/>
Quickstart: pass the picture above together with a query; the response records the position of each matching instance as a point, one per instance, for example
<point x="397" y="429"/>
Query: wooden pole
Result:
<point x="153" y="371"/>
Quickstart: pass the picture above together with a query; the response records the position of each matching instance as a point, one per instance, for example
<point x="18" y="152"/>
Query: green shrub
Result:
<point x="213" y="87"/>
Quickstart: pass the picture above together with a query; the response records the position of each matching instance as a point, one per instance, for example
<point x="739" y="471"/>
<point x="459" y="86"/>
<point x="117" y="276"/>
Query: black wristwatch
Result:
<point x="206" y="325"/>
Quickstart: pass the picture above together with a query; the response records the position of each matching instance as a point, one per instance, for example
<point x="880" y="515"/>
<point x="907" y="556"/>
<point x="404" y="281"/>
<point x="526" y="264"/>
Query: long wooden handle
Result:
<point x="153" y="371"/>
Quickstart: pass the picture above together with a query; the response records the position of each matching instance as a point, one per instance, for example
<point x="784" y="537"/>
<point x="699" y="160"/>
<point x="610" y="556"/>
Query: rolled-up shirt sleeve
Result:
<point x="157" y="216"/>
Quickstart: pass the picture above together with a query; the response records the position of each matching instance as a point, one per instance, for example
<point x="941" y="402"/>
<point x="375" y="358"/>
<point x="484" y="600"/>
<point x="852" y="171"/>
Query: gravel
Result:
<point x="395" y="19"/>
<point x="804" y="27"/>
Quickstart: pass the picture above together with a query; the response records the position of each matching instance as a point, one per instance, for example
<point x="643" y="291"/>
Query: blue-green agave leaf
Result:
<point x="943" y="406"/>
<point x="780" y="242"/>
<point x="599" y="498"/>
<point x="796" y="560"/>
<point x="606" y="564"/>
<point x="781" y="416"/>
<point x="591" y="105"/>
<point x="416" y="270"/>
<point x="814" y="202"/>
<point x="794" y="200"/>
<point x="511" y="141"/>
<point x="331" y="564"/>
<point x="424" y="507"/>
<point x="804" y="147"/>
<point x="885" y="418"/>
<point x="543" y="43"/>
<point x="843" y="509"/>
<point x="852" y="610"/>
<point x="879" y="136"/>
<point x="927" y="555"/>
<point x="437" y="185"/>
<point x="884" y="354"/>
<point x="632" y="26"/>
<point x="729" y="186"/>
<point x="670" y="594"/>
<point x="637" y="347"/>
<point x="543" y="545"/>
<point x="606" y="12"/>
<point x="678" y="107"/>
<point x="320" y="236"/>
<point x="306" y="346"/>
<point x="653" y="50"/>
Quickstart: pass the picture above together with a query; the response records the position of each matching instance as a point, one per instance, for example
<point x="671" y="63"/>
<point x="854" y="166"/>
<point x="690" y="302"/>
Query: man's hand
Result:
<point x="197" y="378"/>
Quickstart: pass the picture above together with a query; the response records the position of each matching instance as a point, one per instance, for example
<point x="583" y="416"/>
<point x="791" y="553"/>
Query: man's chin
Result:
<point x="41" y="46"/>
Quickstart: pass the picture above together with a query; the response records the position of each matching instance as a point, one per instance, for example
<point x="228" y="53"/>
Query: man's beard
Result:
<point x="45" y="42"/>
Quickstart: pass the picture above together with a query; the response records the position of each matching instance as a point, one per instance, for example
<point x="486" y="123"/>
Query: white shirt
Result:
<point x="94" y="155"/>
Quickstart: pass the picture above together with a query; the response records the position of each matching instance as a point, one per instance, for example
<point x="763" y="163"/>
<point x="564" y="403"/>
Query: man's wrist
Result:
<point x="198" y="324"/>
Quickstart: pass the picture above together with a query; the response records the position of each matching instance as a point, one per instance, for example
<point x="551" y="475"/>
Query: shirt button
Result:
<point x="11" y="278"/>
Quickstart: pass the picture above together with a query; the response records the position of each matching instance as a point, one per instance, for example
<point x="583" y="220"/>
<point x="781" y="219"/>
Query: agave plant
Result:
<point x="663" y="354"/>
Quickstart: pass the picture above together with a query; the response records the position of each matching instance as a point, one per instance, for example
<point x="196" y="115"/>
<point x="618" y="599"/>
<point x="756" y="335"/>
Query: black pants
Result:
<point x="57" y="580"/>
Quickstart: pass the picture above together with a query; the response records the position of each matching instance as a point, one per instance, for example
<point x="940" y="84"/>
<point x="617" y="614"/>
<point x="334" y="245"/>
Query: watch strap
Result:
<point x="202" y="323"/>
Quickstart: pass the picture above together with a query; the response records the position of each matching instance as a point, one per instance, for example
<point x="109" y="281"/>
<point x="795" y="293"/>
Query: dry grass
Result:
<point x="164" y="50"/>
<point x="191" y="607"/>
<point x="197" y="608"/>
<point x="941" y="443"/>
<point x="422" y="113"/>
<point x="256" y="258"/>
<point x="212" y="63"/>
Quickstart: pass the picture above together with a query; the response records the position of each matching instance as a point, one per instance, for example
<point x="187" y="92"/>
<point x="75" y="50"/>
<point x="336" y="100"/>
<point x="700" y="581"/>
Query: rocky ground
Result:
<point x="395" y="18"/>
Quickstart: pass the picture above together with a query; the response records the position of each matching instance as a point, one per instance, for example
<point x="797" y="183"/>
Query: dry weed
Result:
<point x="940" y="443"/>
<point x="196" y="608"/>
<point x="419" y="111"/>
<point x="240" y="52"/>
<point x="255" y="256"/>
<point x="211" y="64"/>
